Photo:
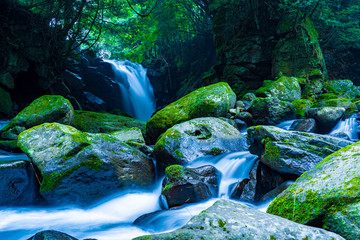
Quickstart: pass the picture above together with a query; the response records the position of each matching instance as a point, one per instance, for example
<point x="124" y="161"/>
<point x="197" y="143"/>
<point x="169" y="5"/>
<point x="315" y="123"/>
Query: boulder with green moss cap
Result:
<point x="189" y="185"/>
<point x="284" y="88"/>
<point x="271" y="111"/>
<point x="48" y="108"/>
<point x="290" y="151"/>
<point x="93" y="122"/>
<point x="231" y="220"/>
<point x="198" y="137"/>
<point x="210" y="101"/>
<point x="329" y="188"/>
<point x="326" y="117"/>
<point x="78" y="167"/>
<point x="51" y="235"/>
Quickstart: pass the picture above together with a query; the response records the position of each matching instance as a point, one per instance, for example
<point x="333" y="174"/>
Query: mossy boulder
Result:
<point x="302" y="106"/>
<point x="188" y="185"/>
<point x="321" y="192"/>
<point x="345" y="221"/>
<point x="18" y="184"/>
<point x="284" y="88"/>
<point x="210" y="101"/>
<point x="343" y="88"/>
<point x="129" y="135"/>
<point x="336" y="102"/>
<point x="271" y="111"/>
<point x="93" y="122"/>
<point x="48" y="108"/>
<point x="198" y="137"/>
<point x="232" y="220"/>
<point x="290" y="151"/>
<point x="78" y="167"/>
<point x="6" y="103"/>
<point x="51" y="235"/>
<point x="326" y="117"/>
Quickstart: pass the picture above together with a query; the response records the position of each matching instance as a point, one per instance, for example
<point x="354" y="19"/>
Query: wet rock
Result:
<point x="284" y="88"/>
<point x="187" y="141"/>
<point x="51" y="235"/>
<point x="188" y="185"/>
<point x="273" y="193"/>
<point x="245" y="116"/>
<point x="78" y="167"/>
<point x="261" y="180"/>
<point x="48" y="108"/>
<point x="210" y="101"/>
<point x="343" y="88"/>
<point x="326" y="117"/>
<point x="329" y="188"/>
<point x="237" y="189"/>
<point x="6" y="103"/>
<point x="304" y="125"/>
<point x="93" y="122"/>
<point x="18" y="184"/>
<point x="289" y="151"/>
<point x="231" y="220"/>
<point x="270" y="111"/>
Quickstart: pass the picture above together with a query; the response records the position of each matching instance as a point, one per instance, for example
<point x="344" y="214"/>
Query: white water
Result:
<point x="286" y="124"/>
<point x="136" y="92"/>
<point x="347" y="126"/>
<point x="112" y="218"/>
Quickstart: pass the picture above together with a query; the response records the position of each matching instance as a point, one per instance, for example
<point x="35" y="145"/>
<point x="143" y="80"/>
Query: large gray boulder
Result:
<point x="290" y="151"/>
<point x="327" y="117"/>
<point x="48" y="108"/>
<point x="78" y="167"/>
<point x="329" y="191"/>
<point x="232" y="220"/>
<point x="210" y="101"/>
<point x="198" y="137"/>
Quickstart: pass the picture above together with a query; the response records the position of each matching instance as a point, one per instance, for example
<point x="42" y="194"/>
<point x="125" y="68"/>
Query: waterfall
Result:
<point x="136" y="92"/>
<point x="348" y="127"/>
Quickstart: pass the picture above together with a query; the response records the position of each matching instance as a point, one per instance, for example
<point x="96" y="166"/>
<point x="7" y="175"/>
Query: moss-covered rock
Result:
<point x="198" y="137"/>
<point x="210" y="101"/>
<point x="129" y="135"/>
<point x="289" y="151"/>
<point x="271" y="111"/>
<point x="343" y="88"/>
<point x="330" y="187"/>
<point x="298" y="52"/>
<point x="93" y="122"/>
<point x="48" y="108"/>
<point x="188" y="185"/>
<point x="345" y="221"/>
<point x="6" y="103"/>
<point x="302" y="106"/>
<point x="78" y="167"/>
<point x="284" y="88"/>
<point x="232" y="220"/>
<point x="337" y="102"/>
<point x="51" y="235"/>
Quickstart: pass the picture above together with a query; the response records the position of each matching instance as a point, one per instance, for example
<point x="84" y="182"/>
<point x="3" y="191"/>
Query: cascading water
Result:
<point x="347" y="126"/>
<point x="136" y="92"/>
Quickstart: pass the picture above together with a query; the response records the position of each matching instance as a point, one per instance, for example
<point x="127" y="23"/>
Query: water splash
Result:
<point x="286" y="124"/>
<point x="136" y="92"/>
<point x="348" y="127"/>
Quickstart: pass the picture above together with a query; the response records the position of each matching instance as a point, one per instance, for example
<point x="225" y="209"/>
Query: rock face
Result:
<point x="195" y="138"/>
<point x="329" y="191"/>
<point x="326" y="117"/>
<point x="51" y="235"/>
<point x="93" y="122"/>
<point x="262" y="179"/>
<point x="231" y="220"/>
<point x="285" y="89"/>
<point x="211" y="101"/>
<point x="79" y="167"/>
<point x="18" y="184"/>
<point x="188" y="185"/>
<point x="48" y="108"/>
<point x="271" y="111"/>
<point x="289" y="151"/>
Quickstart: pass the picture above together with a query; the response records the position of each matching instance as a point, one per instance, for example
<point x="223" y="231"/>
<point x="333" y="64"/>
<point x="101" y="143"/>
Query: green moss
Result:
<point x="301" y="106"/>
<point x="272" y="152"/>
<point x="166" y="188"/>
<point x="215" y="151"/>
<point x="178" y="153"/>
<point x="175" y="171"/>
<point x="221" y="223"/>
